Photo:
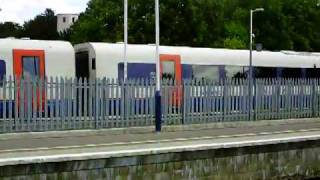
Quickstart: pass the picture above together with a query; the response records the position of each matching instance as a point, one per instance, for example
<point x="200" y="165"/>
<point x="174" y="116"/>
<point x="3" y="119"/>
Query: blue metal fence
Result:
<point x="67" y="104"/>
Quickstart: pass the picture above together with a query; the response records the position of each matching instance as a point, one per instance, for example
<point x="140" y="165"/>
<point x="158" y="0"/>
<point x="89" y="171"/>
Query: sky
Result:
<point x="24" y="10"/>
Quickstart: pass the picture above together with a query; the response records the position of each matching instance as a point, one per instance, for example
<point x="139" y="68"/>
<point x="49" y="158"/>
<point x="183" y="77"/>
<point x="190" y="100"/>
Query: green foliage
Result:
<point x="10" y="29"/>
<point x="183" y="22"/>
<point x="65" y="35"/>
<point x="234" y="43"/>
<point x="101" y="22"/>
<point x="43" y="26"/>
<point x="285" y="24"/>
<point x="236" y="35"/>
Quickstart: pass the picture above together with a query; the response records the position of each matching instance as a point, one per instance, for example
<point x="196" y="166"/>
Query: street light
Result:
<point x="250" y="63"/>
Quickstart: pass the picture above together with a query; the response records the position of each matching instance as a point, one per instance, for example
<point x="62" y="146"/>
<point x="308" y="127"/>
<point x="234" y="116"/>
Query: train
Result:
<point x="40" y="58"/>
<point x="92" y="62"/>
<point x="106" y="60"/>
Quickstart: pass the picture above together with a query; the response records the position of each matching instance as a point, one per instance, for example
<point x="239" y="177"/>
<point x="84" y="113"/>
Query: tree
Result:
<point x="284" y="25"/>
<point x="65" y="35"/>
<point x="236" y="35"/>
<point x="10" y="29"/>
<point x="43" y="26"/>
<point x="101" y="22"/>
<point x="183" y="22"/>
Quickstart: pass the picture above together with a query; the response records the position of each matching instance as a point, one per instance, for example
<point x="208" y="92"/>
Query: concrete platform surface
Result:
<point x="38" y="148"/>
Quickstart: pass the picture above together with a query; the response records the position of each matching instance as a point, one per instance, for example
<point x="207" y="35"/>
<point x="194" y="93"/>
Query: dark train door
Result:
<point x="29" y="64"/>
<point x="171" y="69"/>
<point x="82" y="65"/>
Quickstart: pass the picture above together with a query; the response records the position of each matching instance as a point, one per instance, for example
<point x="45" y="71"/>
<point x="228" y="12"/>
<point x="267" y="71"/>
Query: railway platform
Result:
<point x="67" y="146"/>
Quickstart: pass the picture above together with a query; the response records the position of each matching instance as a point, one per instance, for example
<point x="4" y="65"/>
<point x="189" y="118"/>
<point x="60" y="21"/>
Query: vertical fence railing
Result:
<point x="66" y="104"/>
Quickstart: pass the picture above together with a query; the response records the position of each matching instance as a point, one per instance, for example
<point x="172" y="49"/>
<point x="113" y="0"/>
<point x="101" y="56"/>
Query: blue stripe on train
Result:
<point x="144" y="70"/>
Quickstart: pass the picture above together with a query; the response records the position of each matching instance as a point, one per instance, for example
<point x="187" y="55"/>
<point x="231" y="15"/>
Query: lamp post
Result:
<point x="125" y="55"/>
<point x="250" y="62"/>
<point x="158" y="75"/>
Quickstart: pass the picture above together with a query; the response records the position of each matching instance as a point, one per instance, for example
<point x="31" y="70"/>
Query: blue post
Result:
<point x="158" y="71"/>
<point x="158" y="111"/>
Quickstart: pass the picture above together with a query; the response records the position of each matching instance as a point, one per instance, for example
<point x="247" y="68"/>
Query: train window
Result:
<point x="236" y="72"/>
<point x="246" y="71"/>
<point x="137" y="70"/>
<point x="168" y="70"/>
<point x="279" y="72"/>
<point x="292" y="73"/>
<point x="187" y="71"/>
<point x="94" y="64"/>
<point x="2" y="71"/>
<point x="206" y="72"/>
<point x="30" y="66"/>
<point x="265" y="72"/>
<point x="303" y="72"/>
<point x="312" y="73"/>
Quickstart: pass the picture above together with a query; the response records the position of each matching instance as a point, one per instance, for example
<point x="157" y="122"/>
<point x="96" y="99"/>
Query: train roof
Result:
<point x="59" y="55"/>
<point x="12" y="43"/>
<point x="203" y="56"/>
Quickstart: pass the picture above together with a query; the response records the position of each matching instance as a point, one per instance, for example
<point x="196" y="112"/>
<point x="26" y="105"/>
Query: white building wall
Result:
<point x="65" y="21"/>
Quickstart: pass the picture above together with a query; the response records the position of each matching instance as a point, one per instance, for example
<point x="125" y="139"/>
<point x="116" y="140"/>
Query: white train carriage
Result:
<point x="31" y="59"/>
<point x="106" y="60"/>
<point x="36" y="58"/>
